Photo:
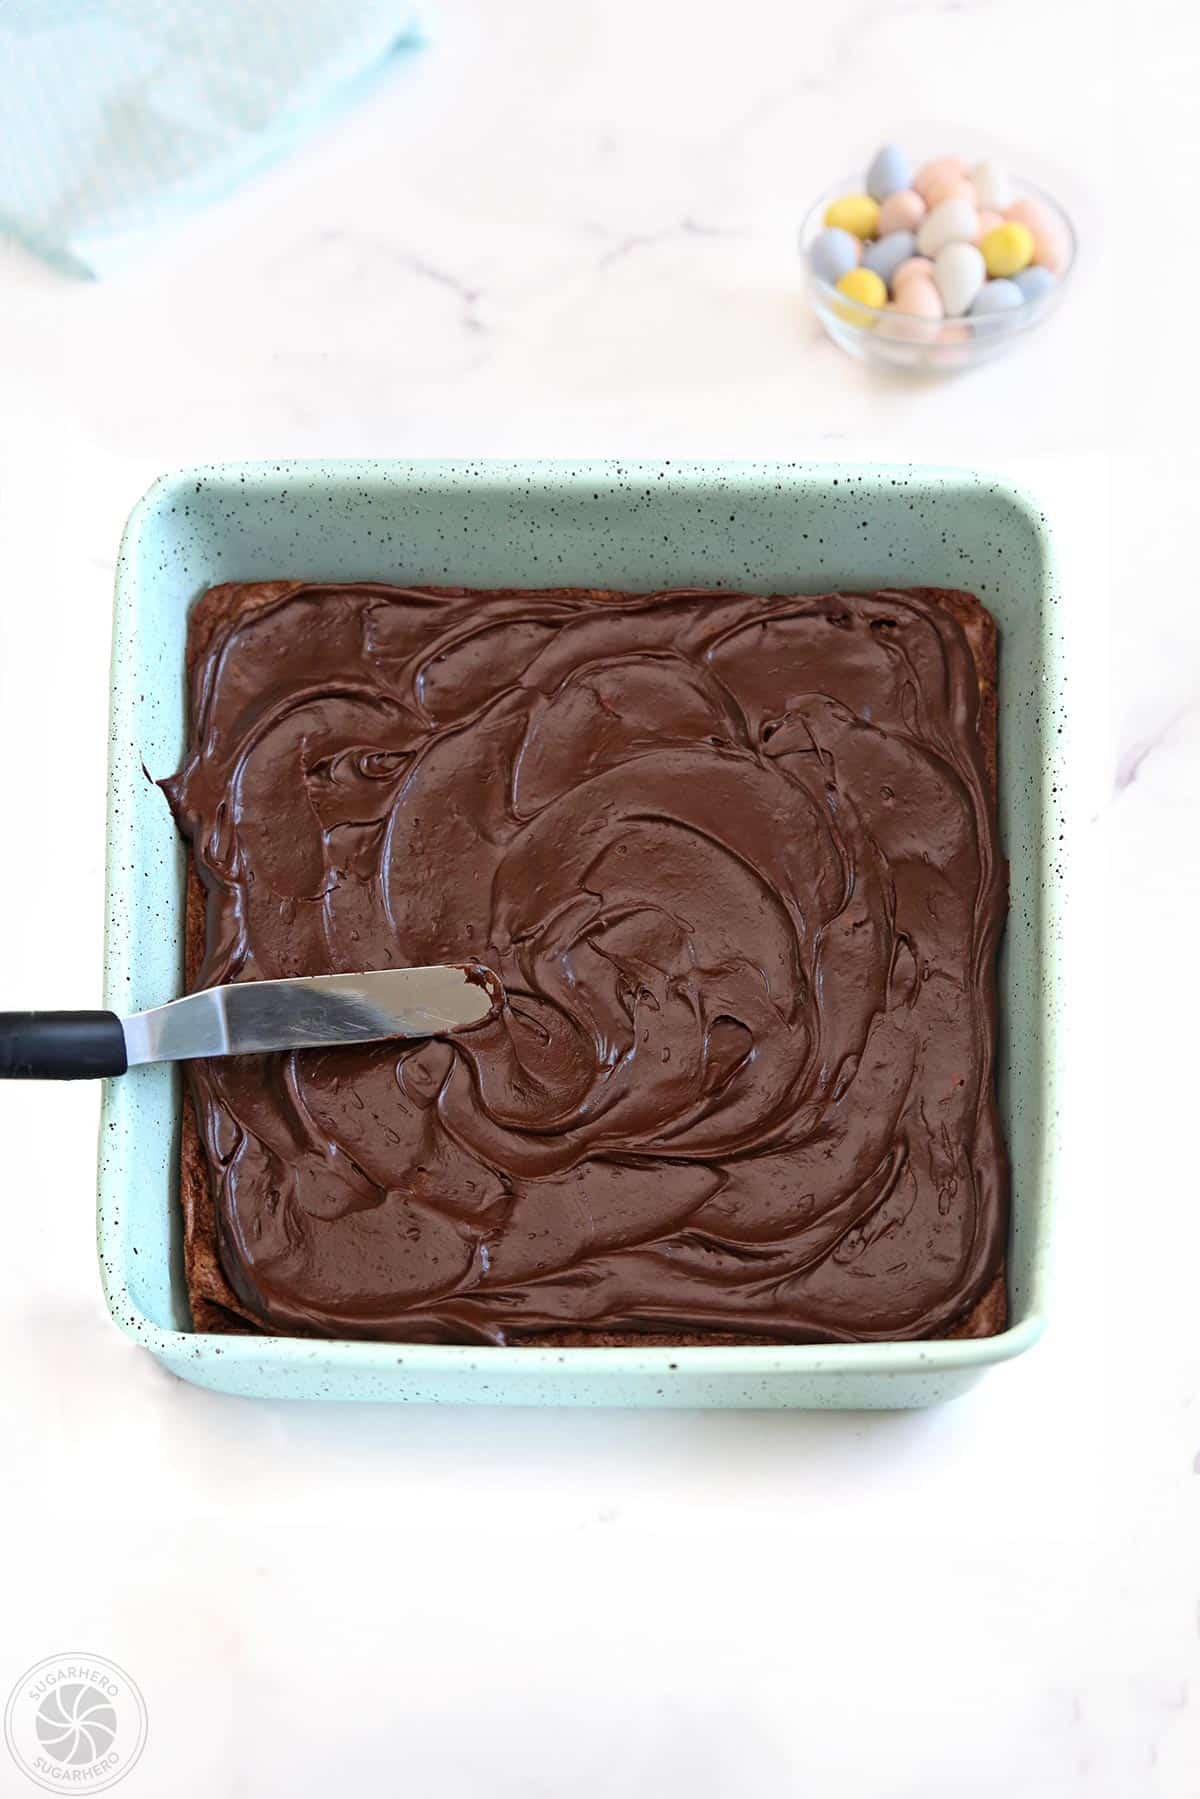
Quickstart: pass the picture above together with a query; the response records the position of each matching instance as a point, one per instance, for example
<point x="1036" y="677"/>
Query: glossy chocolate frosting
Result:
<point x="734" y="859"/>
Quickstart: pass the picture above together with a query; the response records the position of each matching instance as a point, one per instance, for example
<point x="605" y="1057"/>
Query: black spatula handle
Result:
<point x="60" y="1046"/>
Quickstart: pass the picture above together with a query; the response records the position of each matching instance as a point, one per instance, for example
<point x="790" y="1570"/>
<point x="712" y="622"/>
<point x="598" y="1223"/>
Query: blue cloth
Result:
<point x="118" y="115"/>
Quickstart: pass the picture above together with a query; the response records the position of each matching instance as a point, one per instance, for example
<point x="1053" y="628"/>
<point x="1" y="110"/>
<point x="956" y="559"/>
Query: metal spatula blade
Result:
<point x="249" y="1017"/>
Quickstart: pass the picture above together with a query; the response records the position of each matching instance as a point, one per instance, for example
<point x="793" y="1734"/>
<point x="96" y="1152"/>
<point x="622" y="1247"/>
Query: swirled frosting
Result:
<point x="734" y="859"/>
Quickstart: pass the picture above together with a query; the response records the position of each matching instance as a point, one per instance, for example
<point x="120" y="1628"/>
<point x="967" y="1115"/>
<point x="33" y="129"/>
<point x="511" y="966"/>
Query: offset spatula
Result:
<point x="316" y="1012"/>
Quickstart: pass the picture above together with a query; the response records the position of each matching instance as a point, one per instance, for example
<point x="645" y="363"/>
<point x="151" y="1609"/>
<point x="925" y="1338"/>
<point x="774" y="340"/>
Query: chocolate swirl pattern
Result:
<point x="734" y="859"/>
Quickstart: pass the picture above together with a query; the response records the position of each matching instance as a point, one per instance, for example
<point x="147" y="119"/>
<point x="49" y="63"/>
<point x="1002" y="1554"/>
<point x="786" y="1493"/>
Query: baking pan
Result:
<point x="772" y="527"/>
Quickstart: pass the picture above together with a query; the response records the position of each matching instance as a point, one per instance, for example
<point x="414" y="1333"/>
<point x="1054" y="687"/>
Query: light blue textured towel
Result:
<point x="116" y="115"/>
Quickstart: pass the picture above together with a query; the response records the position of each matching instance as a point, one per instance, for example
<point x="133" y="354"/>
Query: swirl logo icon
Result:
<point x="76" y="1721"/>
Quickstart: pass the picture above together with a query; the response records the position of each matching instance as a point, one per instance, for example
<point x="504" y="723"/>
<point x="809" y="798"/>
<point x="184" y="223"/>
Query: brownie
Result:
<point x="734" y="857"/>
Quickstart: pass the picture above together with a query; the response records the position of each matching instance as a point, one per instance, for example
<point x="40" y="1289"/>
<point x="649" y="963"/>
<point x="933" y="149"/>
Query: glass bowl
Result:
<point x="926" y="346"/>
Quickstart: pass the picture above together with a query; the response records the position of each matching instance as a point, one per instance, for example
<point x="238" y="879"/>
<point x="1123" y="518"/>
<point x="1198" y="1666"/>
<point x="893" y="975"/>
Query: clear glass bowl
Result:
<point x="926" y="346"/>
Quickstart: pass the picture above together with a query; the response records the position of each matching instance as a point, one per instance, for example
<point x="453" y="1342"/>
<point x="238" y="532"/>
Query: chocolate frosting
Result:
<point x="733" y="857"/>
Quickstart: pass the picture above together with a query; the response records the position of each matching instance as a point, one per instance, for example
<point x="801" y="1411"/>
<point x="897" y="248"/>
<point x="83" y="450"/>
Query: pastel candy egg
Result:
<point x="832" y="254"/>
<point x="953" y="348"/>
<point x="987" y="222"/>
<point x="992" y="185"/>
<point x="1035" y="283"/>
<point x="910" y="327"/>
<point x="995" y="297"/>
<point x="920" y="298"/>
<point x="917" y="312"/>
<point x="953" y="187"/>
<point x="959" y="272"/>
<point x="942" y="168"/>
<point x="953" y="222"/>
<point x="1049" y="243"/>
<point x="901" y="212"/>
<point x="1008" y="249"/>
<point x="890" y="171"/>
<point x="916" y="265"/>
<point x="863" y="285"/>
<point x="857" y="213"/>
<point x="889" y="253"/>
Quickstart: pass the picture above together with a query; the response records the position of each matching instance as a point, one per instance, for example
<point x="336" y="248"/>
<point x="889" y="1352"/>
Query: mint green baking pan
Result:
<point x="604" y="524"/>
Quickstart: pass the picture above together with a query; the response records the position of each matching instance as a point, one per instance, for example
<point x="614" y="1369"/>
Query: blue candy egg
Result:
<point x="886" y="256"/>
<point x="1035" y="283"/>
<point x="890" y="170"/>
<point x="996" y="296"/>
<point x="833" y="253"/>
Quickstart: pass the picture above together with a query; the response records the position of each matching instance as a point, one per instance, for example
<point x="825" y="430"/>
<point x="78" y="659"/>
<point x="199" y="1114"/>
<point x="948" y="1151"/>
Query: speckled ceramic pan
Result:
<point x="629" y="525"/>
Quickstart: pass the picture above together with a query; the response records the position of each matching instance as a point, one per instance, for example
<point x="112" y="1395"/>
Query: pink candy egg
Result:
<point x="1049" y="244"/>
<point x="919" y="298"/>
<point x="903" y="328"/>
<point x="940" y="170"/>
<point x="918" y="266"/>
<point x="950" y="187"/>
<point x="953" y="347"/>
<point x="915" y="315"/>
<point x="901" y="211"/>
<point x="988" y="222"/>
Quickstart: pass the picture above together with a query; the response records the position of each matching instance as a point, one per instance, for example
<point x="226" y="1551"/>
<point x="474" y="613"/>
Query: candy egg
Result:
<point x="863" y="285"/>
<point x="921" y="298"/>
<point x="916" y="265"/>
<point x="857" y="213"/>
<point x="953" y="348"/>
<point x="1049" y="242"/>
<point x="887" y="254"/>
<point x="954" y="221"/>
<point x="1035" y="283"/>
<point x="1008" y="249"/>
<point x="959" y="272"/>
<point x="992" y="185"/>
<point x="832" y="254"/>
<point x="916" y="313"/>
<point x="987" y="222"/>
<point x="911" y="327"/>
<point x="890" y="171"/>
<point x="996" y="296"/>
<point x="952" y="187"/>
<point x="901" y="212"/>
<point x="942" y="168"/>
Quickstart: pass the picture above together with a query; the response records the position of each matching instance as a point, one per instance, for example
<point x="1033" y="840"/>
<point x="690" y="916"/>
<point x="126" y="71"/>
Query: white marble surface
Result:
<point x="568" y="229"/>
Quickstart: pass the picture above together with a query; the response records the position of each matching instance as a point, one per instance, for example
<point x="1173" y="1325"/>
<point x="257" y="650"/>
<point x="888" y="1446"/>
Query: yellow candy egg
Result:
<point x="1007" y="249"/>
<point x="863" y="285"/>
<point x="856" y="213"/>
